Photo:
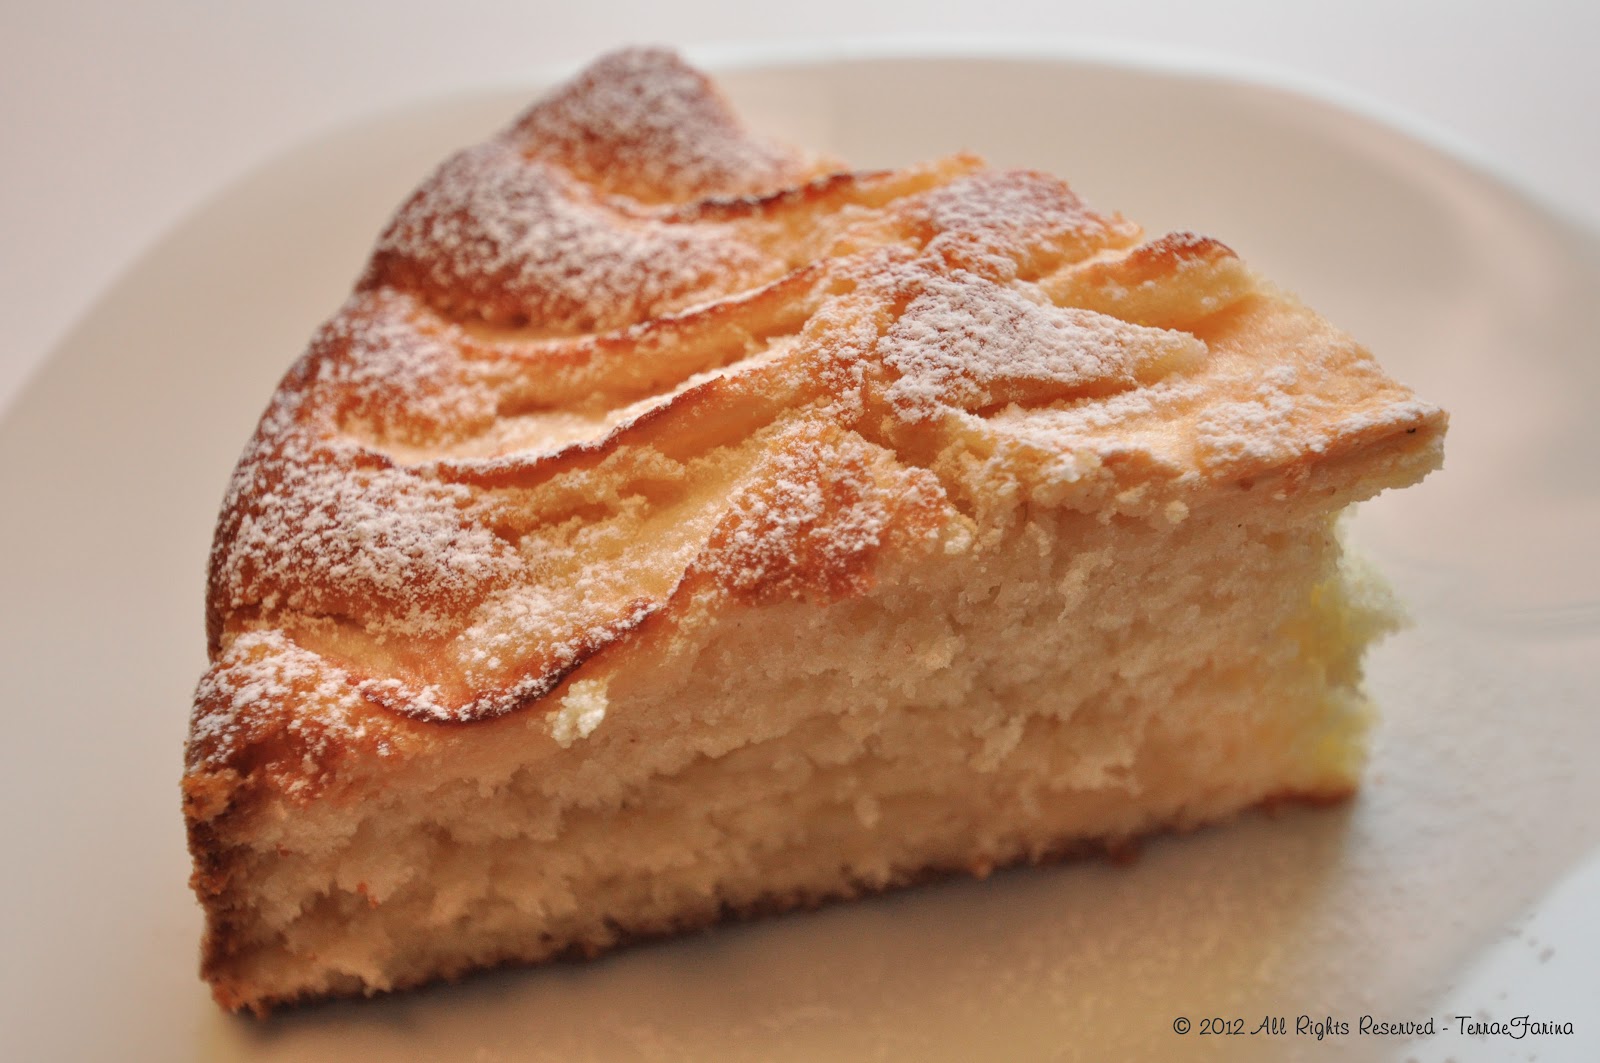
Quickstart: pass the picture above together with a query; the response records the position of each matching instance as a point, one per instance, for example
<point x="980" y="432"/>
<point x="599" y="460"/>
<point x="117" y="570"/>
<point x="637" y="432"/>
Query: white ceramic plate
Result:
<point x="1406" y="904"/>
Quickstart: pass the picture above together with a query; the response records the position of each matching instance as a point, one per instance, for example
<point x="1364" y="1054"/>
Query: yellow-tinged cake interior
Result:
<point x="675" y="525"/>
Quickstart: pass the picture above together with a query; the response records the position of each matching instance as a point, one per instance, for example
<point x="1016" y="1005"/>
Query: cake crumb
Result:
<point x="581" y="711"/>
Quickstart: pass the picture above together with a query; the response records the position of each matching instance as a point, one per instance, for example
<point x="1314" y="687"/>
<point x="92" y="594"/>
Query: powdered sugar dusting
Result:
<point x="645" y="124"/>
<point x="1003" y="224"/>
<point x="813" y="514"/>
<point x="968" y="342"/>
<point x="515" y="240"/>
<point x="402" y="380"/>
<point x="1258" y="430"/>
<point x="318" y="525"/>
<point x="265" y="683"/>
<point x="812" y="509"/>
<point x="729" y="451"/>
<point x="1237" y="418"/>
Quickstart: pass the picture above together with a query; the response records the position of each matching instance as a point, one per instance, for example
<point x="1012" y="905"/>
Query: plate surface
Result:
<point x="1419" y="899"/>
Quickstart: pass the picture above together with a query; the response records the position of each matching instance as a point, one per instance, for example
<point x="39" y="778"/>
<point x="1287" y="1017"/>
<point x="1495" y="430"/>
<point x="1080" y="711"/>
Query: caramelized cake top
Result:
<point x="626" y="359"/>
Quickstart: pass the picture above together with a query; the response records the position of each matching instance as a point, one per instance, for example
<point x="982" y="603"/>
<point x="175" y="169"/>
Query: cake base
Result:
<point x="1063" y="684"/>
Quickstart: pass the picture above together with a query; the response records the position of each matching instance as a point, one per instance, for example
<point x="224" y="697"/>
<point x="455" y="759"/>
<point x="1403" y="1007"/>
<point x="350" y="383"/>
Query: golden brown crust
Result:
<point x="625" y="355"/>
<point x="980" y="326"/>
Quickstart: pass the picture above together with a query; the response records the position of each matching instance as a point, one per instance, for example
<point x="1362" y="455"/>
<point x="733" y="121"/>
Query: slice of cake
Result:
<point x="674" y="524"/>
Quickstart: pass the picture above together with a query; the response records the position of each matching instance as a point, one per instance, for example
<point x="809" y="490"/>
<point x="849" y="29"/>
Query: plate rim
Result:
<point x="1138" y="57"/>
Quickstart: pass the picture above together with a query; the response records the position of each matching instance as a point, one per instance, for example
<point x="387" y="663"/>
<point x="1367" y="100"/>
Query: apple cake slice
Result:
<point x="674" y="524"/>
